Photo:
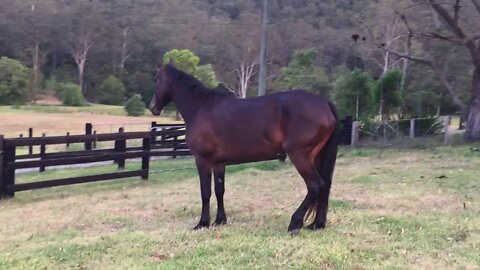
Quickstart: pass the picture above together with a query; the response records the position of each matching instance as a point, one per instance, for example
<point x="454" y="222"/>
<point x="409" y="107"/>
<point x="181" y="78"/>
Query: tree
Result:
<point x="13" y="82"/>
<point x="111" y="91"/>
<point x="387" y="91"/>
<point x="302" y="73"/>
<point x="453" y="24"/>
<point x="81" y="21"/>
<point x="71" y="94"/>
<point x="187" y="61"/>
<point x="135" y="106"/>
<point x="353" y="93"/>
<point x="244" y="72"/>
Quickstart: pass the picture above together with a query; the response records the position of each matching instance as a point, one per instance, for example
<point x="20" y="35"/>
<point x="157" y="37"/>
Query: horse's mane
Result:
<point x="193" y="84"/>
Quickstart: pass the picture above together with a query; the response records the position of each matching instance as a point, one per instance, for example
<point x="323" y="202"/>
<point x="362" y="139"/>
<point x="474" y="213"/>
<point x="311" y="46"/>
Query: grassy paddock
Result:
<point x="391" y="209"/>
<point x="57" y="120"/>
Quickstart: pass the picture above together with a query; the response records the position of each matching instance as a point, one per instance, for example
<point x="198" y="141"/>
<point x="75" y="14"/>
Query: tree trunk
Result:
<point x="381" y="110"/>
<point x="124" y="54"/>
<point x="472" y="132"/>
<point x="36" y="67"/>
<point x="81" y="66"/>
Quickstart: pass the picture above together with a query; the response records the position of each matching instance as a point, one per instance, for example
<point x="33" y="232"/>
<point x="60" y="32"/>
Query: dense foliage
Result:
<point x="13" y="81"/>
<point x="135" y="106"/>
<point x="353" y="93"/>
<point x="111" y="91"/>
<point x="71" y="94"/>
<point x="187" y="61"/>
<point x="302" y="73"/>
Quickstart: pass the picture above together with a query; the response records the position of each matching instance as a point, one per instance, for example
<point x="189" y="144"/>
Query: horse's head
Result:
<point x="162" y="94"/>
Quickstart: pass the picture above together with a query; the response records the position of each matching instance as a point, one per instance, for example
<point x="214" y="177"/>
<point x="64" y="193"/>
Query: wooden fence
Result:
<point x="168" y="145"/>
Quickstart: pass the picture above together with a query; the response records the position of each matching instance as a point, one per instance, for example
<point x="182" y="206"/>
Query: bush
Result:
<point x="135" y="106"/>
<point x="111" y="91"/>
<point x="71" y="94"/>
<point x="13" y="82"/>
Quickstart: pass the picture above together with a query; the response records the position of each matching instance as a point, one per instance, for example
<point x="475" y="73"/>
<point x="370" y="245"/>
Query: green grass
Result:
<point x="389" y="209"/>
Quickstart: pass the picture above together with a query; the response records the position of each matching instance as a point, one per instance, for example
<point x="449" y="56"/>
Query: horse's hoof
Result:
<point x="201" y="225"/>
<point x="219" y="221"/>
<point x="314" y="226"/>
<point x="294" y="232"/>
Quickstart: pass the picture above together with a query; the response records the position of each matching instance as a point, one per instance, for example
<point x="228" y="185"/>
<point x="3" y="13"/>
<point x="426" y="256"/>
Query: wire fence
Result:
<point x="400" y="130"/>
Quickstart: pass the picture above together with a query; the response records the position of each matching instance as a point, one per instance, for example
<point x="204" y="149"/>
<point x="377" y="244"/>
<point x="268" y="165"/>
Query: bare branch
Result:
<point x="456" y="10"/>
<point x="450" y="88"/>
<point x="476" y="3"/>
<point x="454" y="28"/>
<point x="442" y="37"/>
<point x="410" y="57"/>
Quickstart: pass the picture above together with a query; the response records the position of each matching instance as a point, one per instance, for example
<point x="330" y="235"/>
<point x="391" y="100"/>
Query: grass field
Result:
<point x="57" y="120"/>
<point x="392" y="209"/>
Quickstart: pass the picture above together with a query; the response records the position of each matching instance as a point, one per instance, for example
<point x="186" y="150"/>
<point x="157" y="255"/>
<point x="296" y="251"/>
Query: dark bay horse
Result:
<point x="221" y="129"/>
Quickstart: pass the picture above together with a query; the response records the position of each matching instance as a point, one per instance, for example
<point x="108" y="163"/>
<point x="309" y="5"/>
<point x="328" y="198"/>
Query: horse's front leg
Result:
<point x="219" y="180"/>
<point x="205" y="174"/>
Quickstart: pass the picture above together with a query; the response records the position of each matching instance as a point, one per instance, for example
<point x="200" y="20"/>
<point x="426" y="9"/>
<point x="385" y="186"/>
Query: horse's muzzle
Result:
<point x="155" y="111"/>
<point x="154" y="108"/>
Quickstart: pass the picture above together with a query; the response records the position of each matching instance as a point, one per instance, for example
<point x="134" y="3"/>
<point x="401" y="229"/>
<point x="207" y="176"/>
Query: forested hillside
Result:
<point x="311" y="44"/>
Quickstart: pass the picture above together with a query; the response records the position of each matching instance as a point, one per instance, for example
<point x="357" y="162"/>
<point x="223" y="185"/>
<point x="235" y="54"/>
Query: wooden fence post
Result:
<point x="412" y="128"/>
<point x="68" y="143"/>
<point x="446" y="120"/>
<point x="95" y="142"/>
<point x="153" y="127"/>
<point x="355" y="133"/>
<point x="7" y="177"/>
<point x="146" y="159"/>
<point x="120" y="147"/>
<point x="30" y="135"/>
<point x="43" y="149"/>
<point x="88" y="131"/>
<point x="175" y="143"/>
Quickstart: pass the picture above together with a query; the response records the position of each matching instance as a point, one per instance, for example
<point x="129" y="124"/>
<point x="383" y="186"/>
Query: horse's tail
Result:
<point x="325" y="161"/>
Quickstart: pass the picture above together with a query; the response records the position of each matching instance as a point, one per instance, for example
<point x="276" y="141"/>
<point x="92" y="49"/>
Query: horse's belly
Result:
<point x="247" y="149"/>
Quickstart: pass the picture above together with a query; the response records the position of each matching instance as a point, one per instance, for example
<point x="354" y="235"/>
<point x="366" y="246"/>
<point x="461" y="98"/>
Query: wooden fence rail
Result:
<point x="10" y="162"/>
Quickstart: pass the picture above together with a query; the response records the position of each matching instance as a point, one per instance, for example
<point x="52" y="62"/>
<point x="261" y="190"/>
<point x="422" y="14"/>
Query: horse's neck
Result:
<point x="189" y="102"/>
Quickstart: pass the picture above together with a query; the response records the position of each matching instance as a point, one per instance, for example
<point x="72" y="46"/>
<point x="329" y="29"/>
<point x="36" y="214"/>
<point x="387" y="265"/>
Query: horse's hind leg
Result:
<point x="219" y="181"/>
<point x="321" y="208"/>
<point x="314" y="184"/>
<point x="325" y="171"/>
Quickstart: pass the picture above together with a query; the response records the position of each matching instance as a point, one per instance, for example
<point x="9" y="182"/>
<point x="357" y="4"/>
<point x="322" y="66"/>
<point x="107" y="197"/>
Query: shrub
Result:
<point x="111" y="91"/>
<point x="13" y="82"/>
<point x="135" y="106"/>
<point x="71" y="94"/>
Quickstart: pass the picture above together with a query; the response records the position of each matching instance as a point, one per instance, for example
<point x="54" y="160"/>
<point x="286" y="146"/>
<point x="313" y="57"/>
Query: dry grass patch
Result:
<point x="59" y="120"/>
